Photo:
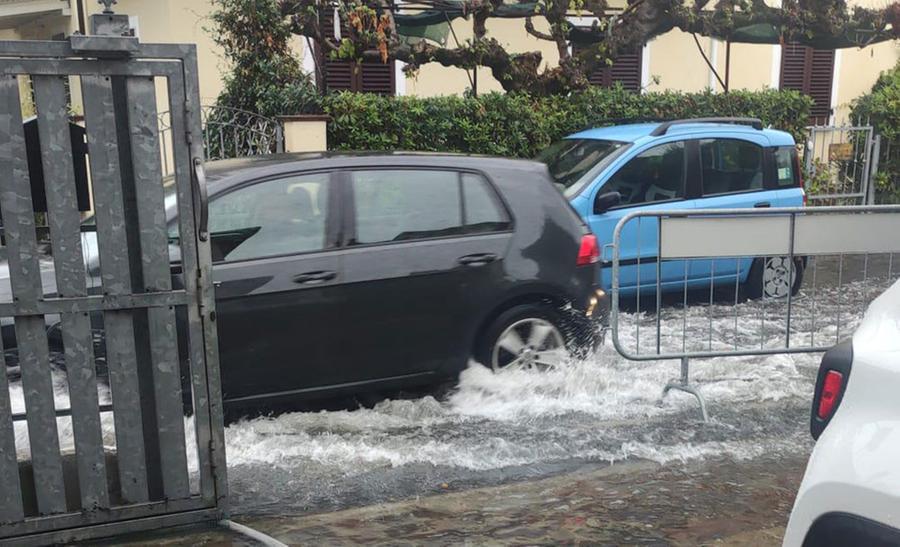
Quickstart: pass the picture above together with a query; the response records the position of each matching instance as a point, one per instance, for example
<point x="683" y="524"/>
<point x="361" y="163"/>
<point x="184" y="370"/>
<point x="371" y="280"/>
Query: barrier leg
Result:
<point x="683" y="384"/>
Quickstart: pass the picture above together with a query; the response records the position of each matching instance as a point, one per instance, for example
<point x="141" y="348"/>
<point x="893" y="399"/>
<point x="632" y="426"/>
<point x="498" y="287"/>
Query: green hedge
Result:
<point x="521" y="126"/>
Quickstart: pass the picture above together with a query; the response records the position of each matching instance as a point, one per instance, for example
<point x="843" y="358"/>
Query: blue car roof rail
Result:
<point x="755" y="123"/>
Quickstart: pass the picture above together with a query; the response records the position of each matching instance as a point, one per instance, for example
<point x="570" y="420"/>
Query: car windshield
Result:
<point x="574" y="162"/>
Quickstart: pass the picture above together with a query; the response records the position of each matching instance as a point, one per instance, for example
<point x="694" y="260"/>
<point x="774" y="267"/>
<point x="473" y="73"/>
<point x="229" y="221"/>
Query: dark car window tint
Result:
<point x="784" y="165"/>
<point x="273" y="217"/>
<point x="397" y="205"/>
<point x="730" y="165"/>
<point x="653" y="175"/>
<point x="482" y="208"/>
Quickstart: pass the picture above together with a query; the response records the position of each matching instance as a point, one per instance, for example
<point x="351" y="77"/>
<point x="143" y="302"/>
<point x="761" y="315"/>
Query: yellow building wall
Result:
<point x="751" y="65"/>
<point x="434" y="79"/>
<point x="677" y="64"/>
<point x="858" y="70"/>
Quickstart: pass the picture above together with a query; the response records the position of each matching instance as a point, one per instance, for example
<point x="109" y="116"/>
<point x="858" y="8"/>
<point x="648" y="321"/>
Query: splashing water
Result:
<point x="519" y="423"/>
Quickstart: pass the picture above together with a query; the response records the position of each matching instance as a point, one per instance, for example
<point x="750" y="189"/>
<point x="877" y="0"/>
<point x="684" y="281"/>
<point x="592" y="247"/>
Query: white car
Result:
<point x="850" y="494"/>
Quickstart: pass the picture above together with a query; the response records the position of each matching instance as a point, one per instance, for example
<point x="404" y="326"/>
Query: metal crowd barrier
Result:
<point x="735" y="282"/>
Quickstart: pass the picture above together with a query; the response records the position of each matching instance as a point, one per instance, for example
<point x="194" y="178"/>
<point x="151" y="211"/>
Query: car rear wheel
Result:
<point x="525" y="337"/>
<point x="773" y="277"/>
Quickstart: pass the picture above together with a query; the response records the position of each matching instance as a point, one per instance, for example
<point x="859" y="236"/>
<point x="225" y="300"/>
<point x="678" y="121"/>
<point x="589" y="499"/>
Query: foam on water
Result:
<point x="605" y="408"/>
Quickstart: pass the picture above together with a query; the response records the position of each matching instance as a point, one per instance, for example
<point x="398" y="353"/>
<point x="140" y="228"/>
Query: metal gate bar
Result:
<point x="64" y="221"/>
<point x="11" y="493"/>
<point x="24" y="269"/>
<point x="115" y="275"/>
<point x="145" y="150"/>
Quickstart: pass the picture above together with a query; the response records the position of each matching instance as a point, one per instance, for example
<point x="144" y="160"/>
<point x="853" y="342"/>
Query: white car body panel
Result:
<point x="855" y="465"/>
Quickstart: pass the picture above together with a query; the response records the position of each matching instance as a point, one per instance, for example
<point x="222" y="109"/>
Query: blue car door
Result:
<point x="652" y="179"/>
<point x="734" y="174"/>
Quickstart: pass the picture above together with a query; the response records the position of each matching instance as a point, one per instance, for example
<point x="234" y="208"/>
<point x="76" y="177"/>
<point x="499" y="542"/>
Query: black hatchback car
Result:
<point x="352" y="273"/>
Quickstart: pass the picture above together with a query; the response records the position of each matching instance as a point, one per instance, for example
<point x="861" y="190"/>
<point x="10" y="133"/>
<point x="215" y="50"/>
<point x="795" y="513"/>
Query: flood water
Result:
<point x="494" y="428"/>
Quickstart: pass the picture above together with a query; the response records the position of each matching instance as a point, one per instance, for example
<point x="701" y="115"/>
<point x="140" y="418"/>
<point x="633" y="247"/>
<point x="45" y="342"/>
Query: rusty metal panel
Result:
<point x="145" y="152"/>
<point x="116" y="279"/>
<point x="25" y="279"/>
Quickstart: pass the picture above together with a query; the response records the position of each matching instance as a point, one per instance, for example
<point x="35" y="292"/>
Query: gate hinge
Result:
<point x="188" y="135"/>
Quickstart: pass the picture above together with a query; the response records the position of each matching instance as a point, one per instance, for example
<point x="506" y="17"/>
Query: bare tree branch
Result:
<point x="817" y="23"/>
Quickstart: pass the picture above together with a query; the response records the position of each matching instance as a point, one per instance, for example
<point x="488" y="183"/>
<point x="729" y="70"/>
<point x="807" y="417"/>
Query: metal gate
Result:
<point x="839" y="165"/>
<point x="128" y="467"/>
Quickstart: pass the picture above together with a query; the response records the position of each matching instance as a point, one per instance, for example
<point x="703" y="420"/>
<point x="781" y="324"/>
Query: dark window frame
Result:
<point x="348" y="199"/>
<point x="811" y="61"/>
<point x="357" y="81"/>
<point x="606" y="76"/>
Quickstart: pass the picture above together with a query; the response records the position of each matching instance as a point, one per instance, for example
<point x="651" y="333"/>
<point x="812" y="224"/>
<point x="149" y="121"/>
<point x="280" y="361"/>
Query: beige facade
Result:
<point x="671" y="61"/>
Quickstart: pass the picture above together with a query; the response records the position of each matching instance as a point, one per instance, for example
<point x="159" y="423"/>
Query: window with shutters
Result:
<point x="625" y="70"/>
<point x="809" y="71"/>
<point x="341" y="75"/>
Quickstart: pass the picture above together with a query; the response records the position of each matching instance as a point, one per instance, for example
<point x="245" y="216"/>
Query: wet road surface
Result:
<point x="718" y="501"/>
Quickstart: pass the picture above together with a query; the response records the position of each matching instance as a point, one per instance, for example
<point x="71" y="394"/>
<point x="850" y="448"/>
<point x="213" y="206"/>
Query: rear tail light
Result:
<point x="831" y="384"/>
<point x="589" y="251"/>
<point x="831" y="388"/>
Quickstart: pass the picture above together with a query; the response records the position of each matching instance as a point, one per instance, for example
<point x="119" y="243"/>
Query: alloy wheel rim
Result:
<point x="529" y="344"/>
<point x="778" y="277"/>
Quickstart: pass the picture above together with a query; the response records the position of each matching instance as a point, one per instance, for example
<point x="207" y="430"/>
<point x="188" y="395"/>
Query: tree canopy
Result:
<point x="379" y="30"/>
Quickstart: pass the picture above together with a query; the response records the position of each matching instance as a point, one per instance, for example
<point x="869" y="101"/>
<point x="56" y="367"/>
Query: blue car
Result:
<point x="711" y="163"/>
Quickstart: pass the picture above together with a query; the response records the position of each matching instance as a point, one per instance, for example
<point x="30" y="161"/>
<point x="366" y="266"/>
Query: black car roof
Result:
<point x="225" y="173"/>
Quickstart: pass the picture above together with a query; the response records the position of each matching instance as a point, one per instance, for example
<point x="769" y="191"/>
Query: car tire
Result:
<point x="768" y="277"/>
<point x="528" y="336"/>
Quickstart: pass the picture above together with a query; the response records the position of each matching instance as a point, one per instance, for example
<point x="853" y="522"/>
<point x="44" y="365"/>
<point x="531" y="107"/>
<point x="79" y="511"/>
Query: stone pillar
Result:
<point x="305" y="132"/>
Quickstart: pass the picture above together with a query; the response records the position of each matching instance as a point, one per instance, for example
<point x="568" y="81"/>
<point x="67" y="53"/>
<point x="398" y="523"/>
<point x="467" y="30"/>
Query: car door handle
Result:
<point x="315" y="277"/>
<point x="762" y="204"/>
<point x="478" y="259"/>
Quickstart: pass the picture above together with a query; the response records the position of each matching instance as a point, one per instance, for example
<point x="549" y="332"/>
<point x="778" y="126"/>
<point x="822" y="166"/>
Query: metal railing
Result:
<point x="840" y="165"/>
<point x="737" y="282"/>
<point x="227" y="133"/>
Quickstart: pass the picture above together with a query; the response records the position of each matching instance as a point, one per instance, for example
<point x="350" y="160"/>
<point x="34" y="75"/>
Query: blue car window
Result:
<point x="656" y="174"/>
<point x="730" y="165"/>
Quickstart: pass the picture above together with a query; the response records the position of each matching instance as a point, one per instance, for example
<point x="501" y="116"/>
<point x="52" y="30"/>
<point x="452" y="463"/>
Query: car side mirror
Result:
<point x="607" y="201"/>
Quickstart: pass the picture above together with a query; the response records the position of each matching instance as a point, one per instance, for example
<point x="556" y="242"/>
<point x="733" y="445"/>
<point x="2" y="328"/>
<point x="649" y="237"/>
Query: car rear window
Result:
<point x="785" y="166"/>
